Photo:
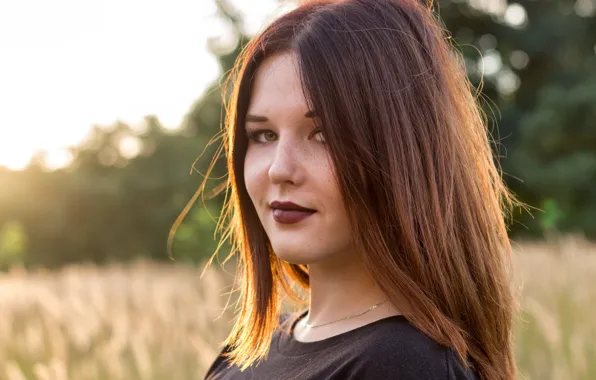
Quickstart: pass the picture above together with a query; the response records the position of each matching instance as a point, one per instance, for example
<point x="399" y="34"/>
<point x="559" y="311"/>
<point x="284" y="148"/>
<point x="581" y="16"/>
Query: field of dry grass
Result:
<point x="155" y="322"/>
<point x="556" y="333"/>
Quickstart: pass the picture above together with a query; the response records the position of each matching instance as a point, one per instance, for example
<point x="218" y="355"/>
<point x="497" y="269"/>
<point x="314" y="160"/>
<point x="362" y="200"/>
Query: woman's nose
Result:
<point x="284" y="164"/>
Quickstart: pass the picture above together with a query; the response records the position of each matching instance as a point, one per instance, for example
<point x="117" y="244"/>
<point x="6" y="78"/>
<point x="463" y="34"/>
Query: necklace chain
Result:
<point x="352" y="316"/>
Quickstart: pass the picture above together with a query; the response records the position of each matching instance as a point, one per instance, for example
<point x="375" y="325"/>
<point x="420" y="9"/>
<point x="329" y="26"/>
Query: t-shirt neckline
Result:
<point x="288" y="345"/>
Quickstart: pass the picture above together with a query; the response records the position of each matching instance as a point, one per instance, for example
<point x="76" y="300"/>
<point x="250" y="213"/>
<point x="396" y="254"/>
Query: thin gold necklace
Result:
<point x="343" y="319"/>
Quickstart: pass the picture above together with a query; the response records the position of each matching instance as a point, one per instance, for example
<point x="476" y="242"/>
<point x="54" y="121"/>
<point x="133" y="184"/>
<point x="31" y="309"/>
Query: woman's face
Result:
<point x="287" y="160"/>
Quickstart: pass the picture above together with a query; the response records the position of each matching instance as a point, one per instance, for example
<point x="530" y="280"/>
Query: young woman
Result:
<point x="360" y="169"/>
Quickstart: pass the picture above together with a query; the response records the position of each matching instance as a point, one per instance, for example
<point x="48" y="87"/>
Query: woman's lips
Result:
<point x="290" y="216"/>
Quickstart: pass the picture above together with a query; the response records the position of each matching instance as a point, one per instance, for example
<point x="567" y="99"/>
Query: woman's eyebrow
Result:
<point x="260" y="119"/>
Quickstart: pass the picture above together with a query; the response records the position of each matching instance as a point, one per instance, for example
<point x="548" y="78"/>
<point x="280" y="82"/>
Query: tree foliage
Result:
<point x="536" y="72"/>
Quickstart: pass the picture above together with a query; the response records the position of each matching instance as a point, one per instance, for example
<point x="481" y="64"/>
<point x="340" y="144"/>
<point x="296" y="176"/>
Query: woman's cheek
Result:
<point x="256" y="173"/>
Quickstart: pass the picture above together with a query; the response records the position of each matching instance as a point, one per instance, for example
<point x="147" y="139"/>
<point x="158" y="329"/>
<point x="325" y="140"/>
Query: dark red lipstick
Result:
<point x="289" y="212"/>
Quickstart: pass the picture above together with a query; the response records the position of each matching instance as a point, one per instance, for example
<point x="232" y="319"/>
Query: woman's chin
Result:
<point x="294" y="256"/>
<point x="301" y="256"/>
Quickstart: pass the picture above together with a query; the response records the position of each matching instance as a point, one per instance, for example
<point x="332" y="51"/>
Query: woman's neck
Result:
<point x="337" y="291"/>
<point x="340" y="289"/>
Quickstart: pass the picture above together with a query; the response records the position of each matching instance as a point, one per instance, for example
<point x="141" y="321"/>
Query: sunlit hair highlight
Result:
<point x="414" y="164"/>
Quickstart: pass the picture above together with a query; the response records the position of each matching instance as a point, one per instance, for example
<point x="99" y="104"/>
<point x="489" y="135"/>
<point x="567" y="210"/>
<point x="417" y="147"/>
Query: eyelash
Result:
<point x="254" y="134"/>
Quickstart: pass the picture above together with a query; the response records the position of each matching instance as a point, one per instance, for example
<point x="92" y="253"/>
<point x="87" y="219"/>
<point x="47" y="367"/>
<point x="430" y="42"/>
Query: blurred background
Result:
<point x="106" y="114"/>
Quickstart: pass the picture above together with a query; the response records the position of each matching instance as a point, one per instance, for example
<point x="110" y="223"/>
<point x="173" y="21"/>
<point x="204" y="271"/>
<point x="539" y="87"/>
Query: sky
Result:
<point x="66" y="65"/>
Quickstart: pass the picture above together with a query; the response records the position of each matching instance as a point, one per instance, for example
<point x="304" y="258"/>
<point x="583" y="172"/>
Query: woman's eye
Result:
<point x="265" y="136"/>
<point x="319" y="136"/>
<point x="261" y="135"/>
<point x="268" y="135"/>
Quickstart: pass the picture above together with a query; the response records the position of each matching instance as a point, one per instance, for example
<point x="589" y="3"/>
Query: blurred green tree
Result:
<point x="533" y="63"/>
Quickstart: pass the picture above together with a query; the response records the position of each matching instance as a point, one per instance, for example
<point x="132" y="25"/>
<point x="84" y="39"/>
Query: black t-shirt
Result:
<point x="387" y="349"/>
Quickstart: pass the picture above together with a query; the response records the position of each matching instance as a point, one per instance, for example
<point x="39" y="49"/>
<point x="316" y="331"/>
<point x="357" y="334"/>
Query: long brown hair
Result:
<point x="411" y="148"/>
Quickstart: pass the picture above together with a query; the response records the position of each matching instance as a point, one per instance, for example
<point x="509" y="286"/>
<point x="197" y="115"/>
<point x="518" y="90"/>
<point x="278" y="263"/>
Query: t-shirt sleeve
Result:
<point x="457" y="370"/>
<point x="217" y="362"/>
<point x="413" y="363"/>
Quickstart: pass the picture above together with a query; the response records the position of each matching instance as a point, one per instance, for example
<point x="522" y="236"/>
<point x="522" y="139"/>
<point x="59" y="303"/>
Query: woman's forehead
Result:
<point x="276" y="90"/>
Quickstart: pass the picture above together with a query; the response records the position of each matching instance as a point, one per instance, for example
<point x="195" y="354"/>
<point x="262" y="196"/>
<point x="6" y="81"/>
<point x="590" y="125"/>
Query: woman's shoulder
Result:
<point x="385" y="349"/>
<point x="395" y="346"/>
